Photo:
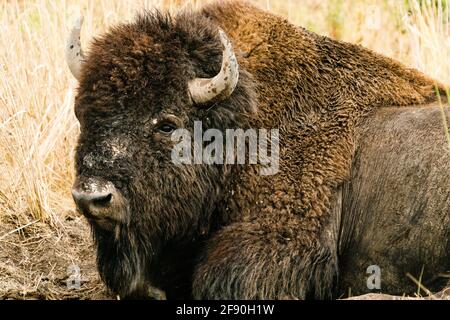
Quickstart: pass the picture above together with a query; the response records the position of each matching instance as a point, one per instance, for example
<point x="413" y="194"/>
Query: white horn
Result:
<point x="220" y="87"/>
<point x="74" y="52"/>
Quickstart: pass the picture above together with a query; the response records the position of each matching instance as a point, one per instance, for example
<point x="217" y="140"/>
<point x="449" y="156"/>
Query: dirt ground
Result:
<point x="37" y="262"/>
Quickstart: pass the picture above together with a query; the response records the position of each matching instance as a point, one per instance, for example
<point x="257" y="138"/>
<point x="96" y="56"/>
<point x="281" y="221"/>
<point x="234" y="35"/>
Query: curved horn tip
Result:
<point x="223" y="84"/>
<point x="74" y="52"/>
<point x="78" y="23"/>
<point x="223" y="38"/>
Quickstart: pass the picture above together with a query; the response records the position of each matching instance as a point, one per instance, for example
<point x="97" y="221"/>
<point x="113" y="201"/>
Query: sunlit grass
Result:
<point x="38" y="129"/>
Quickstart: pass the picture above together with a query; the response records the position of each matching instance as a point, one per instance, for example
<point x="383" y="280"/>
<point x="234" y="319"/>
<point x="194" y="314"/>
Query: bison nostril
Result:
<point x="102" y="201"/>
<point x="90" y="203"/>
<point x="99" y="201"/>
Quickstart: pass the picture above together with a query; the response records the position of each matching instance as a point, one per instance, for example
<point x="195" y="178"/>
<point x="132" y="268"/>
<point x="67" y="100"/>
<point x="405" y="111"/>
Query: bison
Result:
<point x="351" y="190"/>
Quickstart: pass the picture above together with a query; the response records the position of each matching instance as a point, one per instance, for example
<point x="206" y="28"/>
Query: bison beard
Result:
<point x="121" y="263"/>
<point x="220" y="231"/>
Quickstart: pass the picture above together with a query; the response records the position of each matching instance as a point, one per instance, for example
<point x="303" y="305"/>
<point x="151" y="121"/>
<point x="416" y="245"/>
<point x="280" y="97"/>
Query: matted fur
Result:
<point x="225" y="231"/>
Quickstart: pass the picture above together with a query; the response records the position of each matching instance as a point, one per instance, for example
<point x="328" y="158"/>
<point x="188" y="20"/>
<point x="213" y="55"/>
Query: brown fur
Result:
<point x="240" y="234"/>
<point x="396" y="204"/>
<point x="316" y="90"/>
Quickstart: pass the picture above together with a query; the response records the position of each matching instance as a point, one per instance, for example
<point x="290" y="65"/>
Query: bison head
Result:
<point x="137" y="84"/>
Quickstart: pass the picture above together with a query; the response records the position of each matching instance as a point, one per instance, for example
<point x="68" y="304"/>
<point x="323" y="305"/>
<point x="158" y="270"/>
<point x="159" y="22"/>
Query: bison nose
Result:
<point x="91" y="202"/>
<point x="99" y="201"/>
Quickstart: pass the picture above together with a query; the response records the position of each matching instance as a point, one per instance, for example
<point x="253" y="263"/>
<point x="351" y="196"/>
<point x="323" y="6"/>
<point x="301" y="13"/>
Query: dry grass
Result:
<point x="35" y="261"/>
<point x="38" y="129"/>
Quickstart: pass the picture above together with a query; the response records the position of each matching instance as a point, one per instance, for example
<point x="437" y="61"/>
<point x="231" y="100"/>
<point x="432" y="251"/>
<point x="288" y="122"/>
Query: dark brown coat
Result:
<point x="317" y="91"/>
<point x="239" y="234"/>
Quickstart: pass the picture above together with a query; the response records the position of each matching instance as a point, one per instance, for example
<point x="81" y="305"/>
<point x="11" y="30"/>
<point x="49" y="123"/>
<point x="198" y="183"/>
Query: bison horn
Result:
<point x="74" y="52"/>
<point x="221" y="86"/>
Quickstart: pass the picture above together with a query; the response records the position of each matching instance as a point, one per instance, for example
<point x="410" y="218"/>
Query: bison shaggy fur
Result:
<point x="225" y="231"/>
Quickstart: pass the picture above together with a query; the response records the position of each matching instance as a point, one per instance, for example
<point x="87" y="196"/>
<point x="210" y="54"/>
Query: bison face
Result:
<point x="138" y="84"/>
<point x="136" y="199"/>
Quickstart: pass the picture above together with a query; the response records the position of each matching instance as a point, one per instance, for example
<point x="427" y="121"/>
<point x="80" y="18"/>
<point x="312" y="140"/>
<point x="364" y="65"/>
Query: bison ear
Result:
<point x="74" y="52"/>
<point x="203" y="90"/>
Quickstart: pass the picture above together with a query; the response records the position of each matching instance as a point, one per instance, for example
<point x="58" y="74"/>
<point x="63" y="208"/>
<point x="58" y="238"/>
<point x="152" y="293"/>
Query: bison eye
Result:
<point x="166" y="127"/>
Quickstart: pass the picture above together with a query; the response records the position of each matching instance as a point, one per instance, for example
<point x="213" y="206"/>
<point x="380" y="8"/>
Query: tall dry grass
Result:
<point x="38" y="129"/>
